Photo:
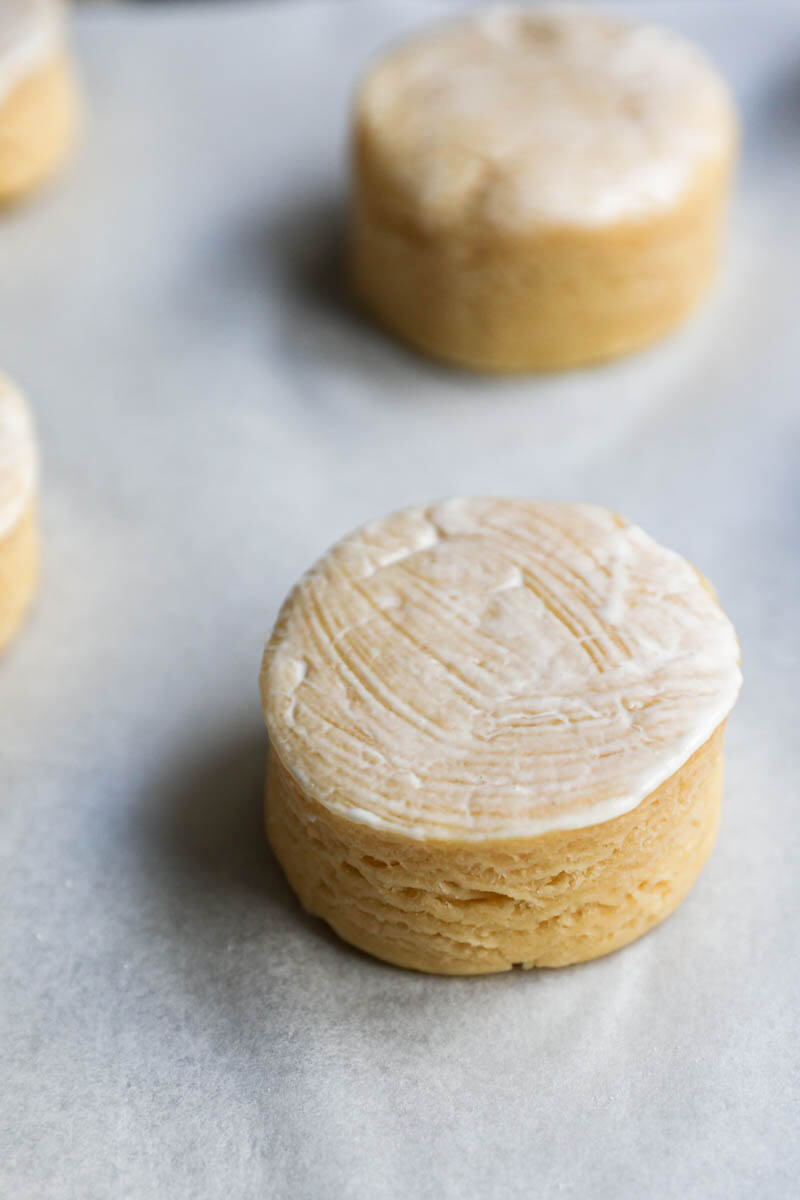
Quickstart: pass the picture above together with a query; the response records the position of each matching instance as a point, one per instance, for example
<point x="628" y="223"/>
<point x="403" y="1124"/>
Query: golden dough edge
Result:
<point x="466" y="908"/>
<point x="18" y="573"/>
<point x="39" y="123"/>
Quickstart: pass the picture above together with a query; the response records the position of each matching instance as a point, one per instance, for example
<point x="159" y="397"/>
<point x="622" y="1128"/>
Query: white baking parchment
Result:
<point x="212" y="415"/>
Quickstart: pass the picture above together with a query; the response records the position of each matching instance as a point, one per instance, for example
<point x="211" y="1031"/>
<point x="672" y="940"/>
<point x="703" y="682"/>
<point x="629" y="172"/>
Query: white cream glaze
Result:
<point x="494" y="669"/>
<point x="554" y="115"/>
<point x="18" y="458"/>
<point x="31" y="32"/>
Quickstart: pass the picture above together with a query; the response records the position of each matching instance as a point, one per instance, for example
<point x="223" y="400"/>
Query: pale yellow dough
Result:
<point x="18" y="536"/>
<point x="496" y="734"/>
<point x="18" y="568"/>
<point x="538" y="189"/>
<point x="38" y="95"/>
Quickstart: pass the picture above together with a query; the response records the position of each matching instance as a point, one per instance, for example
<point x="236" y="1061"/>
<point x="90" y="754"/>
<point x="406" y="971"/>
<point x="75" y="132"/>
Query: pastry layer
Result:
<point x="18" y="457"/>
<point x="467" y="909"/>
<point x="18" y="569"/>
<point x="38" y="122"/>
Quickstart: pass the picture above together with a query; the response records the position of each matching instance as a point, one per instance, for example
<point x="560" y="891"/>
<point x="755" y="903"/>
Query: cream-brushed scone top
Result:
<point x="496" y="734"/>
<point x="539" y="187"/>
<point x="38" y="97"/>
<point x="18" y="471"/>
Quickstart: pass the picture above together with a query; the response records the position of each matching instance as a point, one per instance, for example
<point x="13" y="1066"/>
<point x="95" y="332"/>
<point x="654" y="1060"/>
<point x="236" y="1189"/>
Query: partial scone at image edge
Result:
<point x="18" y="573"/>
<point x="39" y="97"/>
<point x="18" y="523"/>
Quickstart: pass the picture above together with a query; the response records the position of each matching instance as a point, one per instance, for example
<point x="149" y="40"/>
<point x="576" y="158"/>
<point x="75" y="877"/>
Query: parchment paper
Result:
<point x="212" y="416"/>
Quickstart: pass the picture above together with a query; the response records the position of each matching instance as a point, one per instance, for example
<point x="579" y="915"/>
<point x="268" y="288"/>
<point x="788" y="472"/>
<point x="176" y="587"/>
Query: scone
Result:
<point x="18" y="468"/>
<point x="496" y="734"/>
<point x="538" y="188"/>
<point x="38" y="99"/>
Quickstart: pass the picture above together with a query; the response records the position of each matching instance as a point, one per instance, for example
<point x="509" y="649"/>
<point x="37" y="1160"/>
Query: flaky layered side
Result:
<point x="455" y="908"/>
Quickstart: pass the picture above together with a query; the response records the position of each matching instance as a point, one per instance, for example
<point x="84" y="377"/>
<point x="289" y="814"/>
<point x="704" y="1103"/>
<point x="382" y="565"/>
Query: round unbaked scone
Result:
<point x="538" y="188"/>
<point x="38" y="96"/>
<point x="18" y="546"/>
<point x="496" y="734"/>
